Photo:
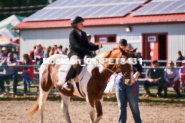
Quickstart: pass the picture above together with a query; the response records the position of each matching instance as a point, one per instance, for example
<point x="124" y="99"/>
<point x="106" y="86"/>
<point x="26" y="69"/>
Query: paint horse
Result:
<point x="92" y="83"/>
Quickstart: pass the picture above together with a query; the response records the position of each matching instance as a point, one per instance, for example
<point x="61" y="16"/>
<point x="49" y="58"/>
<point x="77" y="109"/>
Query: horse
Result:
<point x="92" y="83"/>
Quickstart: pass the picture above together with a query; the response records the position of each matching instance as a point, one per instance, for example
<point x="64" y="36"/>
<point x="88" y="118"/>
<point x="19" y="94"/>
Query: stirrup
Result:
<point x="66" y="87"/>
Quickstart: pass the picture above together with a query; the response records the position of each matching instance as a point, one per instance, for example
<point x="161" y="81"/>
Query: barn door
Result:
<point x="150" y="47"/>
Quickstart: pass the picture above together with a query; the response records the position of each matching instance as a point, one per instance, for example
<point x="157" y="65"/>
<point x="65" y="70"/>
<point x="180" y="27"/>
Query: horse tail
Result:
<point x="34" y="108"/>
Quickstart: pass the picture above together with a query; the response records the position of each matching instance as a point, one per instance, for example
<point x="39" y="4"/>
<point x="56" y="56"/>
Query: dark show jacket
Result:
<point x="79" y="45"/>
<point x="137" y="67"/>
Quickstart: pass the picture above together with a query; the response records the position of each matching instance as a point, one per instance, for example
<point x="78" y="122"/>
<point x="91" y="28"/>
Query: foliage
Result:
<point x="24" y="7"/>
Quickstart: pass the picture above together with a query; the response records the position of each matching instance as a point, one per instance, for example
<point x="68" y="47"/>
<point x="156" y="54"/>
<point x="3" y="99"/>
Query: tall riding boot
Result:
<point x="70" y="74"/>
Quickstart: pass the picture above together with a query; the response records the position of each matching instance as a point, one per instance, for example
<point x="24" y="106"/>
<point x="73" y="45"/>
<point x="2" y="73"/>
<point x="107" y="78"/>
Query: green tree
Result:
<point x="21" y="7"/>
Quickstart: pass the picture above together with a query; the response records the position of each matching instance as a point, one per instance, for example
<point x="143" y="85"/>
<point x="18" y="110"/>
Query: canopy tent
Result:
<point x="6" y="42"/>
<point x="7" y="24"/>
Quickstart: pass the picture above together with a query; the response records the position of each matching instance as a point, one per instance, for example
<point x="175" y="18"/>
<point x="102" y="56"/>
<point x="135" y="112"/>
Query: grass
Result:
<point x="107" y="97"/>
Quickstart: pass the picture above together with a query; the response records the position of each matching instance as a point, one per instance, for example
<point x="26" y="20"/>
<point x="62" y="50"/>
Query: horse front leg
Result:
<point x="91" y="110"/>
<point x="65" y="106"/>
<point x="98" y="105"/>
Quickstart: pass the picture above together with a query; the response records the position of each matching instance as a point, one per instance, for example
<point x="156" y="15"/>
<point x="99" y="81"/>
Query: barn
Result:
<point x="156" y="27"/>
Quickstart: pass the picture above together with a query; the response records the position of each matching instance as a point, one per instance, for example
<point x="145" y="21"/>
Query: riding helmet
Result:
<point x="76" y="20"/>
<point x="123" y="42"/>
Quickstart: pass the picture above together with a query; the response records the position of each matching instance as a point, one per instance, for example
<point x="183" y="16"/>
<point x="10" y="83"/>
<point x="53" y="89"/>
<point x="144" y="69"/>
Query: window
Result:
<point x="105" y="38"/>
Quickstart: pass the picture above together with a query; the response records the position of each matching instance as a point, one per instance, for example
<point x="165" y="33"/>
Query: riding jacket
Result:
<point x="79" y="44"/>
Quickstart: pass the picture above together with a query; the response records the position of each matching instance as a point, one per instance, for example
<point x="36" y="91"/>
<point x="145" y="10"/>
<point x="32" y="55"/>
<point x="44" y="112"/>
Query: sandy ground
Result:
<point x="13" y="112"/>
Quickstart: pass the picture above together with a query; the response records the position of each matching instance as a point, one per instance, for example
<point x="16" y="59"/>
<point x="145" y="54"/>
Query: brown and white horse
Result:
<point x="92" y="85"/>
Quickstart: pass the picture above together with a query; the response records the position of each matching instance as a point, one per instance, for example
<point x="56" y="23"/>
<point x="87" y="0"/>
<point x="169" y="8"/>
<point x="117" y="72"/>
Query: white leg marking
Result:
<point x="91" y="111"/>
<point x="65" y="106"/>
<point x="42" y="99"/>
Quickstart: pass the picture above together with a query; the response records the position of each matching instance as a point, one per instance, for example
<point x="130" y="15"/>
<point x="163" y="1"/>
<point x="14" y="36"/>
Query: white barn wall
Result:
<point x="49" y="37"/>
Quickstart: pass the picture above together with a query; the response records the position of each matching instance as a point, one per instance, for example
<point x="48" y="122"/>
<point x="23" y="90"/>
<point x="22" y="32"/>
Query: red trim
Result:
<point x="19" y="42"/>
<point x="116" y="21"/>
<point x="166" y="46"/>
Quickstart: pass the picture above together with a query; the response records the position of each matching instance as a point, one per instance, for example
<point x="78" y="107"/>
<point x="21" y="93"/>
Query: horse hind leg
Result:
<point x="65" y="106"/>
<point x="98" y="105"/>
<point x="42" y="99"/>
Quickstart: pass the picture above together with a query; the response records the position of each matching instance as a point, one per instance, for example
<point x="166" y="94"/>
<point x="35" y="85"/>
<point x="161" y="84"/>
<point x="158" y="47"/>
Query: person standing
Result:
<point x="28" y="72"/>
<point x="128" y="93"/>
<point x="65" y="51"/>
<point x="180" y="58"/>
<point x="4" y="54"/>
<point x="182" y="73"/>
<point x="46" y="53"/>
<point x="39" y="54"/>
<point x="60" y="49"/>
<point x="54" y="50"/>
<point x="10" y="72"/>
<point x="32" y="53"/>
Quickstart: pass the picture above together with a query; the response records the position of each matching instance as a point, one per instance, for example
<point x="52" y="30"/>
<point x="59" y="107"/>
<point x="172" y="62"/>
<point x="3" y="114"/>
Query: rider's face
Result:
<point x="79" y="25"/>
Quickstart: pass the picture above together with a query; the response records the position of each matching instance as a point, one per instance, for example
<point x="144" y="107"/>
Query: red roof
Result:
<point x="128" y="20"/>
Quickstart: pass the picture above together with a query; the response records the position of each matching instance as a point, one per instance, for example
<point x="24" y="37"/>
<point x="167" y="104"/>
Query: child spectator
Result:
<point x="182" y="73"/>
<point x="28" y="72"/>
<point x="171" y="77"/>
<point x="65" y="51"/>
<point x="54" y="50"/>
<point x="46" y="53"/>
<point x="39" y="54"/>
<point x="60" y="49"/>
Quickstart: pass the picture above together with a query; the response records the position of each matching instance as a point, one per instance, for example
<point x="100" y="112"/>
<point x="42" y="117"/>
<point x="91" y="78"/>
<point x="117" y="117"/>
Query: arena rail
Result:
<point x="35" y="82"/>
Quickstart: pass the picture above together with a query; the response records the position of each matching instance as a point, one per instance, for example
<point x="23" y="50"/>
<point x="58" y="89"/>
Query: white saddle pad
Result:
<point x="64" y="68"/>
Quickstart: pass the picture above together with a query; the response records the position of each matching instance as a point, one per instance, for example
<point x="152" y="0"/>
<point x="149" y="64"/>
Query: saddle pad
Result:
<point x="64" y="68"/>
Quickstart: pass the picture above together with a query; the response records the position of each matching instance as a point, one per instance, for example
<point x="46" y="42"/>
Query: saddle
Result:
<point x="79" y="71"/>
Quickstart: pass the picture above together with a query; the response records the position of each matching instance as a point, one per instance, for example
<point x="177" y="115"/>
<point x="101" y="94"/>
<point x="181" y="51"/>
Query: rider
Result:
<point x="79" y="47"/>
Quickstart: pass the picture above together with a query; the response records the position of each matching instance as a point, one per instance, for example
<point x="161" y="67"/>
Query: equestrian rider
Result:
<point x="79" y="47"/>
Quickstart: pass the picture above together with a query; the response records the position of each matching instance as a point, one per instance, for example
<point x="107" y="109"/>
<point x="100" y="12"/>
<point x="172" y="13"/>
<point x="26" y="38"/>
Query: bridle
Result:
<point x="119" y="66"/>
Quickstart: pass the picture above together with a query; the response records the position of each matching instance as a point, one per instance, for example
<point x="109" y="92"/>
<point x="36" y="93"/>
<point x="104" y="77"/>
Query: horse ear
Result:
<point x="121" y="49"/>
<point x="133" y="50"/>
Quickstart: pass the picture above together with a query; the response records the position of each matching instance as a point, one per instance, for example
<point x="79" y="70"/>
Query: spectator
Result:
<point x="54" y="50"/>
<point x="154" y="78"/>
<point x="65" y="51"/>
<point x="60" y="49"/>
<point x="39" y="54"/>
<point x="4" y="53"/>
<point x="171" y="77"/>
<point x="28" y="72"/>
<point x="180" y="58"/>
<point x="10" y="72"/>
<point x="32" y="53"/>
<point x="182" y="73"/>
<point x="46" y="53"/>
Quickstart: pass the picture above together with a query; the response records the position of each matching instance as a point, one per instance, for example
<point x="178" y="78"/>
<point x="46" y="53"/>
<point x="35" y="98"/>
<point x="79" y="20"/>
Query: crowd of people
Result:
<point x="169" y="77"/>
<point x="38" y="52"/>
<point x="11" y="72"/>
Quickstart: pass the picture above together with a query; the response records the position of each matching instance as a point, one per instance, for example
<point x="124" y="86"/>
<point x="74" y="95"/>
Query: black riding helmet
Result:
<point x="76" y="20"/>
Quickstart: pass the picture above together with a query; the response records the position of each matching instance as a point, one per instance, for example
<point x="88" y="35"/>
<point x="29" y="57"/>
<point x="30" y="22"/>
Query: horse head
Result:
<point x="120" y="61"/>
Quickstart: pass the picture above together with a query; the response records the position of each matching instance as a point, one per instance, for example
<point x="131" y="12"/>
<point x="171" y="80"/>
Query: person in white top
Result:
<point x="171" y="76"/>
